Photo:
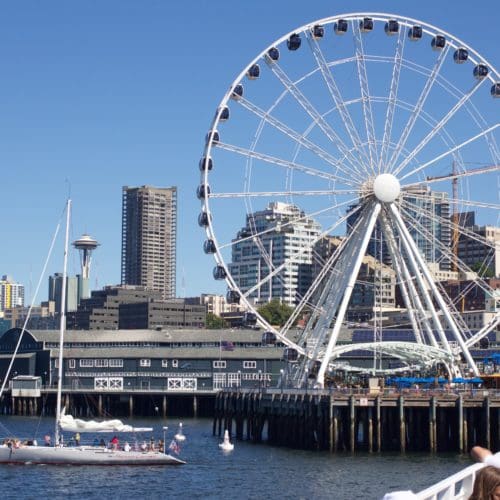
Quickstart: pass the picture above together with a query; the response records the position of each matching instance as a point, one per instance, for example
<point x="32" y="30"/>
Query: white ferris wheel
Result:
<point x="346" y="169"/>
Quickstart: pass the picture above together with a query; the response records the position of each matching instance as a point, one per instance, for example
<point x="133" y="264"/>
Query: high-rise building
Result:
<point x="429" y="212"/>
<point x="11" y="293"/>
<point x="149" y="236"/>
<point x="284" y="230"/>
<point x="479" y="246"/>
<point x="72" y="291"/>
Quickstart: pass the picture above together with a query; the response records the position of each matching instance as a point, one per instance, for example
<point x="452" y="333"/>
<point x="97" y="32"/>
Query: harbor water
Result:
<point x="250" y="471"/>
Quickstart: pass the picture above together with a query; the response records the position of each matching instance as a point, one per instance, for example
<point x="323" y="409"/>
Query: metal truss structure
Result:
<point x="382" y="129"/>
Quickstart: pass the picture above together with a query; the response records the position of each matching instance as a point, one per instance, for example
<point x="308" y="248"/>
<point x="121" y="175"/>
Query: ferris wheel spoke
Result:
<point x="449" y="152"/>
<point x="452" y="177"/>
<point x="337" y="97"/>
<point x="300" y="139"/>
<point x="283" y="163"/>
<point x="418" y="108"/>
<point x="393" y="94"/>
<point x="472" y="203"/>
<point x="439" y="126"/>
<point x="268" y="194"/>
<point x="317" y="118"/>
<point x="258" y="234"/>
<point x="445" y="250"/>
<point x="294" y="257"/>
<point x="366" y="98"/>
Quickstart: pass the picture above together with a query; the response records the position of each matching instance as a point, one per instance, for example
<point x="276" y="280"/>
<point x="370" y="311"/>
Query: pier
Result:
<point x="356" y="421"/>
<point x="130" y="403"/>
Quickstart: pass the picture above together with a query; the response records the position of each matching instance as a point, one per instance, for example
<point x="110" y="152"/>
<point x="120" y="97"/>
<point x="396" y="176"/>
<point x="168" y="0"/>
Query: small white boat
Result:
<point x="226" y="445"/>
<point x="180" y="435"/>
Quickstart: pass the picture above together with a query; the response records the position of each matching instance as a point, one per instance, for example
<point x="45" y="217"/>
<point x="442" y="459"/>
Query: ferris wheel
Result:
<point x="352" y="171"/>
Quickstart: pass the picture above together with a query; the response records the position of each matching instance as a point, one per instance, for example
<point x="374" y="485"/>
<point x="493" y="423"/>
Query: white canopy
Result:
<point x="70" y="424"/>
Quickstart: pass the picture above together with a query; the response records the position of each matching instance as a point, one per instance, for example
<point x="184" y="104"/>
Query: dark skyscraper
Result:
<point x="149" y="235"/>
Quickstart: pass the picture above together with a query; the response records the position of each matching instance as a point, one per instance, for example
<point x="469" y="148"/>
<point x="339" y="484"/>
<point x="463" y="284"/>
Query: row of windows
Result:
<point x="114" y="363"/>
<point x="246" y="364"/>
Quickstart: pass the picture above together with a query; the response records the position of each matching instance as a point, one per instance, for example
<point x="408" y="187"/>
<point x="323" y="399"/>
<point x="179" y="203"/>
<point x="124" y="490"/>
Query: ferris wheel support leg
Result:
<point x="320" y="379"/>
<point x="435" y="291"/>
<point x="391" y="244"/>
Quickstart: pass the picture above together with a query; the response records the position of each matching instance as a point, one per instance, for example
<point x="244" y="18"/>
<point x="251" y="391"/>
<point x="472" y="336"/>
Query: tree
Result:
<point x="275" y="312"/>
<point x="215" y="322"/>
<point x="482" y="270"/>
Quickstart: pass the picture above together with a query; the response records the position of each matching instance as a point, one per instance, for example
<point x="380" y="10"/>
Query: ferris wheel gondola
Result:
<point x="322" y="184"/>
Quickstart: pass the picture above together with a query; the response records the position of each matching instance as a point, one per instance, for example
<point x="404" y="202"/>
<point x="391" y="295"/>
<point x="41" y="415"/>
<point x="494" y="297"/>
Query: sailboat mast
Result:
<point x="62" y="325"/>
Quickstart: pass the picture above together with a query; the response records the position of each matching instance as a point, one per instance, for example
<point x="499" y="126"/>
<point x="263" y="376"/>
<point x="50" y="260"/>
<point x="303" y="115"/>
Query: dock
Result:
<point x="352" y="421"/>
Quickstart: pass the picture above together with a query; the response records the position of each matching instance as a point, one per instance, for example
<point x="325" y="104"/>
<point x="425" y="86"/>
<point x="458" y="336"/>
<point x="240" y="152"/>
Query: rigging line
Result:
<point x="28" y="315"/>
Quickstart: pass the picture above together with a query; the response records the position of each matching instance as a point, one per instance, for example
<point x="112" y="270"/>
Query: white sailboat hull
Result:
<point x="83" y="455"/>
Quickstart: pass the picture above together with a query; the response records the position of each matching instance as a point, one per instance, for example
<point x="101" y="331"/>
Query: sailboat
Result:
<point x="13" y="452"/>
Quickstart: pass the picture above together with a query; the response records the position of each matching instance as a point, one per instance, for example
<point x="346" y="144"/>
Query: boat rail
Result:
<point x="455" y="487"/>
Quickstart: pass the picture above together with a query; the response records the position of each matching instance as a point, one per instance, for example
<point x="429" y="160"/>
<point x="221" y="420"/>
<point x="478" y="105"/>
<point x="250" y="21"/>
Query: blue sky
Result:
<point x="96" y="94"/>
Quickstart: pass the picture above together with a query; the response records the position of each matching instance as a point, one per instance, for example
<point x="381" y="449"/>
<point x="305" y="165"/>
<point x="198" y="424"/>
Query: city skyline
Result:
<point x="120" y="102"/>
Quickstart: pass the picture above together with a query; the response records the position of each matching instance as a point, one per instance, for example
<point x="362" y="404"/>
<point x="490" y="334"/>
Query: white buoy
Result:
<point x="180" y="436"/>
<point x="226" y="445"/>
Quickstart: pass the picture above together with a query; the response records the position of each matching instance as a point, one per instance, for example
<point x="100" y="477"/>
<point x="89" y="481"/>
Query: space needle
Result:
<point x="86" y="245"/>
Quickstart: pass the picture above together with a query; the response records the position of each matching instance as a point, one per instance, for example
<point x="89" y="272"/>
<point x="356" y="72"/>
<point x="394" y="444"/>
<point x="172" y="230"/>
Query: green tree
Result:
<point x="484" y="272"/>
<point x="275" y="312"/>
<point x="215" y="322"/>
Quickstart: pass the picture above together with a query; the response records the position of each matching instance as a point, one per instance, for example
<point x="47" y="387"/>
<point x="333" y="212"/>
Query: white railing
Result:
<point x="455" y="487"/>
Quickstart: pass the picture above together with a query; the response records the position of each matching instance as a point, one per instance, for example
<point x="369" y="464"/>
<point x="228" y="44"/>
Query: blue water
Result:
<point x="251" y="471"/>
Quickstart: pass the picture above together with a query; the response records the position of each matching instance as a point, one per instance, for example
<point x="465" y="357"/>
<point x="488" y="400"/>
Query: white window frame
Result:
<point x="219" y="380"/>
<point x="175" y="363"/>
<point x="115" y="384"/>
<point x="116" y="363"/>
<point x="101" y="383"/>
<point x="164" y="363"/>
<point x="145" y="362"/>
<point x="86" y="363"/>
<point x="219" y="363"/>
<point x="234" y="379"/>
<point x="249" y="365"/>
<point x="101" y="363"/>
<point x="71" y="363"/>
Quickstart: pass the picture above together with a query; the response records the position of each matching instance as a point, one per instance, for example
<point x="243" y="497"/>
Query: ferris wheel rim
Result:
<point x="430" y="30"/>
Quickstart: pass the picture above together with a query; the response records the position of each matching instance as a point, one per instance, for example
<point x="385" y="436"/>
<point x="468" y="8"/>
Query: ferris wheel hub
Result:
<point x="386" y="188"/>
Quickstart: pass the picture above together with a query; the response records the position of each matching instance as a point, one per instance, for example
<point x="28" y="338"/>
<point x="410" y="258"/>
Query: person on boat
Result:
<point x="484" y="455"/>
<point x="77" y="439"/>
<point x="126" y="446"/>
<point x="102" y="444"/>
<point x="486" y="484"/>
<point x="115" y="442"/>
<point x="46" y="440"/>
<point x="95" y="442"/>
<point x="144" y="446"/>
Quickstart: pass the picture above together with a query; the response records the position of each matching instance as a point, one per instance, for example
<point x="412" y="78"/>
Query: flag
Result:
<point x="174" y="447"/>
<point x="227" y="345"/>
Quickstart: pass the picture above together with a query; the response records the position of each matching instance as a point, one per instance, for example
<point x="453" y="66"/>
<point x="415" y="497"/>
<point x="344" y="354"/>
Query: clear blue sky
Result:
<point x="97" y="94"/>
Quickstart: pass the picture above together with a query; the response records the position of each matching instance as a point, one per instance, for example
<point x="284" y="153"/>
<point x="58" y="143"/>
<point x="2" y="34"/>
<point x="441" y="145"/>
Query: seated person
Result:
<point x="486" y="484"/>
